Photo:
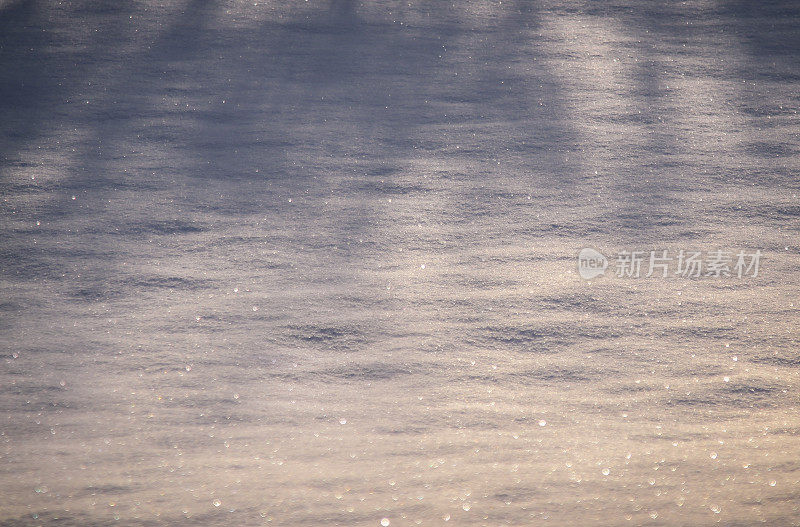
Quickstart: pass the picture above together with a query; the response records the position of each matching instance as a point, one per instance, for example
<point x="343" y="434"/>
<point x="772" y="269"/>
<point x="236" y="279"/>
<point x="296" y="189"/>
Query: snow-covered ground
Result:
<point x="309" y="263"/>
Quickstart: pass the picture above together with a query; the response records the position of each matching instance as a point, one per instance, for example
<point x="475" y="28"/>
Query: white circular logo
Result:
<point x="591" y="263"/>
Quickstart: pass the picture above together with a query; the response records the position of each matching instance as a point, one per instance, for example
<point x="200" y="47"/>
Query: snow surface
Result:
<point x="307" y="263"/>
